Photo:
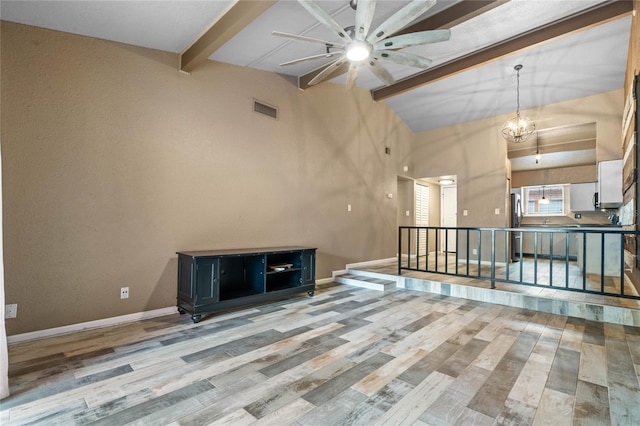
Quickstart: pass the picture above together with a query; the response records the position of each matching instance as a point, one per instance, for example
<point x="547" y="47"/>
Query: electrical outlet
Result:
<point x="124" y="292"/>
<point x="475" y="251"/>
<point x="10" y="311"/>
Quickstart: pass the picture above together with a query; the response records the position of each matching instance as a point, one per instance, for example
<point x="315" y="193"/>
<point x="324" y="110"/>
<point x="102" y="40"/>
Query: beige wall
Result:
<point x="561" y="175"/>
<point x="113" y="161"/>
<point x="473" y="152"/>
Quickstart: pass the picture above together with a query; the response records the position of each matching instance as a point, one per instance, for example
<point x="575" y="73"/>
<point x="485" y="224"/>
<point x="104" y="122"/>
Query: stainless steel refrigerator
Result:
<point x="516" y="220"/>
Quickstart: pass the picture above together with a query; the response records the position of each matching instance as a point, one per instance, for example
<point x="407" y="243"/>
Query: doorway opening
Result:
<point x="430" y="201"/>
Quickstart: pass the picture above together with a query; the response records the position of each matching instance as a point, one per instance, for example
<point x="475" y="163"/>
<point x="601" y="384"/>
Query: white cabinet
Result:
<point x="581" y="196"/>
<point x="593" y="261"/>
<point x="610" y="184"/>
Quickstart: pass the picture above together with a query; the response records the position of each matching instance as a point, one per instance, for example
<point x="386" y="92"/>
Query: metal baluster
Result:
<point x="601" y="262"/>
<point x="622" y="263"/>
<point x="551" y="234"/>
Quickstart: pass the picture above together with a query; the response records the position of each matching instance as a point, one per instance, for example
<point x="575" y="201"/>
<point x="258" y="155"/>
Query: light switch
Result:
<point x="407" y="213"/>
<point x="348" y="207"/>
<point x="465" y="212"/>
<point x="497" y="211"/>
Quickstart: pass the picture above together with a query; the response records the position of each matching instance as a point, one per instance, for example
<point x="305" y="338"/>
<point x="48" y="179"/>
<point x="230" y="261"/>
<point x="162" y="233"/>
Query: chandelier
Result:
<point x="518" y="128"/>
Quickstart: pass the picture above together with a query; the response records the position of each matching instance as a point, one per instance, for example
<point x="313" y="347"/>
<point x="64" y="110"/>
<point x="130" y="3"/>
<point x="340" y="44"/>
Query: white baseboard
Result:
<point x="323" y="281"/>
<point x="340" y="272"/>
<point x="91" y="324"/>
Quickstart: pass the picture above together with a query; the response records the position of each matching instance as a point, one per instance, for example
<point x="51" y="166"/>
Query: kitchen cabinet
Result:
<point x="581" y="196"/>
<point x="610" y="184"/>
<point x="545" y="246"/>
<point x="214" y="280"/>
<point x="591" y="254"/>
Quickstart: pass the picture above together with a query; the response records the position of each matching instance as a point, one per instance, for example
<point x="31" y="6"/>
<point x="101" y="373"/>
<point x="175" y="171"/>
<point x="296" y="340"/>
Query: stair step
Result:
<point x="363" y="281"/>
<point x="370" y="274"/>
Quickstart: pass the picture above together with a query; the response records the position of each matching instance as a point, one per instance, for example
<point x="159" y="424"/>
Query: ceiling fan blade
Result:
<point x="364" y="15"/>
<point x="381" y="72"/>
<point x="308" y="39"/>
<point x="400" y="19"/>
<point x="307" y="58"/>
<point x="324" y="18"/>
<point x="402" y="58"/>
<point x="352" y="75"/>
<point x="328" y="70"/>
<point x="413" y="39"/>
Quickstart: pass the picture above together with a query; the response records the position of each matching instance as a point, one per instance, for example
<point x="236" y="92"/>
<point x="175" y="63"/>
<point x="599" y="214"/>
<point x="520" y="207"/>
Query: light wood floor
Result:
<point x="346" y="356"/>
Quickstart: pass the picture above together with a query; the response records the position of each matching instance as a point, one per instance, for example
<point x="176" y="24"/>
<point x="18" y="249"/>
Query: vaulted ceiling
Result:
<point x="569" y="48"/>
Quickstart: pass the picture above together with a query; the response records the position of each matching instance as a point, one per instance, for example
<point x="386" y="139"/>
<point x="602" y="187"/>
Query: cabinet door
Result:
<point x="581" y="196"/>
<point x="207" y="278"/>
<point x="308" y="266"/>
<point x="186" y="278"/>
<point x="559" y="244"/>
<point x="610" y="183"/>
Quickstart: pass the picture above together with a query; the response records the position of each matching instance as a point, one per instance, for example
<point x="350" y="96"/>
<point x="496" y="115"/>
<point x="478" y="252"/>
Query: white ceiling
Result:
<point x="581" y="64"/>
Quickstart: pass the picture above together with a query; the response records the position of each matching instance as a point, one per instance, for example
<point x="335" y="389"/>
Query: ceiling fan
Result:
<point x="359" y="47"/>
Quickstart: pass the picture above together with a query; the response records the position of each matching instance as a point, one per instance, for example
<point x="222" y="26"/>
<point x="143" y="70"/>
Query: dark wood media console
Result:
<point x="214" y="280"/>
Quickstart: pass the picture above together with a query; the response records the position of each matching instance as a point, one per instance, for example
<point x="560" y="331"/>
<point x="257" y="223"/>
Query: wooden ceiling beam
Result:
<point x="240" y="14"/>
<point x="454" y="15"/>
<point x="580" y="21"/>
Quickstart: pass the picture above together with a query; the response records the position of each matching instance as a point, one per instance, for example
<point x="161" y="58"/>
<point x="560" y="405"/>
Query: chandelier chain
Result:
<point x="518" y="92"/>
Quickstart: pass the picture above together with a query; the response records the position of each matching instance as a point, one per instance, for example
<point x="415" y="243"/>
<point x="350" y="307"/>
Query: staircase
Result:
<point x="367" y="279"/>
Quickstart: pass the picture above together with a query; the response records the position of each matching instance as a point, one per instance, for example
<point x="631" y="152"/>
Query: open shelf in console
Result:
<point x="241" y="276"/>
<point x="284" y="270"/>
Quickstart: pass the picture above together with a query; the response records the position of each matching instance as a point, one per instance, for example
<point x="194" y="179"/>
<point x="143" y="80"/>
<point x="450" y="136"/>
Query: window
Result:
<point x="422" y="205"/>
<point x="543" y="200"/>
<point x="422" y="217"/>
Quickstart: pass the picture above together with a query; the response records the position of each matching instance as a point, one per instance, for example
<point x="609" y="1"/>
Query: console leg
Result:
<point x="196" y="318"/>
<point x="311" y="293"/>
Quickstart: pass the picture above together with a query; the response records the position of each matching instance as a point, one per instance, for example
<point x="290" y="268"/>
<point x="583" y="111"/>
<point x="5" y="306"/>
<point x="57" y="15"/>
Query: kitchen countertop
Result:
<point x="570" y="225"/>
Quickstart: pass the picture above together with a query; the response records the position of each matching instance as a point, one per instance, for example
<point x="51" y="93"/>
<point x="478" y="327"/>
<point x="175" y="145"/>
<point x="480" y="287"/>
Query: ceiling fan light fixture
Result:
<point x="518" y="128"/>
<point x="357" y="51"/>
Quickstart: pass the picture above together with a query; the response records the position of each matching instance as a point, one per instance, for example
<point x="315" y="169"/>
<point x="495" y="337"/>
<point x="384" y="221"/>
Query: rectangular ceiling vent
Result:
<point x="268" y="110"/>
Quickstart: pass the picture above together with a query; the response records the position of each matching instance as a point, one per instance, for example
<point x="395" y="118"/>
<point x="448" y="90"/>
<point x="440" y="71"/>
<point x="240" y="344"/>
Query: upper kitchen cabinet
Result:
<point x="610" y="184"/>
<point x="581" y="196"/>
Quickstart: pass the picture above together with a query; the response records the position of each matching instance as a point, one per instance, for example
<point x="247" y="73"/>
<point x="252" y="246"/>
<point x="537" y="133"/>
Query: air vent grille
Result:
<point x="265" y="109"/>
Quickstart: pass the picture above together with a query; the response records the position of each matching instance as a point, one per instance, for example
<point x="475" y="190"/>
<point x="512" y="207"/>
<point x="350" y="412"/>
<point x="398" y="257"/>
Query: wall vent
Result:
<point x="262" y="108"/>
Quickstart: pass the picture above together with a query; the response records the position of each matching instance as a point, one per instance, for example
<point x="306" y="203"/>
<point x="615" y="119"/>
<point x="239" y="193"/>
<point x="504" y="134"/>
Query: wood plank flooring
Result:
<point x="348" y="356"/>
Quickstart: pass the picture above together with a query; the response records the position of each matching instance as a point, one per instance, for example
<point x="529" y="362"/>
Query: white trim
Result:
<point x="105" y="322"/>
<point x="323" y="281"/>
<point x="361" y="264"/>
<point x="370" y="262"/>
<point x="339" y="272"/>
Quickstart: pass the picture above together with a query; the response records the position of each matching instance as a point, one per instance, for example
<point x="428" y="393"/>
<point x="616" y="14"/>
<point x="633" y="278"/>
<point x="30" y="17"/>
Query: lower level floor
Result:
<point x="346" y="356"/>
